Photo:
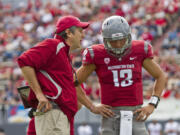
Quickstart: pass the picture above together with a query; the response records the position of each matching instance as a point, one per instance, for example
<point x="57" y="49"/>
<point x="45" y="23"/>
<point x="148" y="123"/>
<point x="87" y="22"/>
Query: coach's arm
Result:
<point x="30" y="75"/>
<point x="82" y="74"/>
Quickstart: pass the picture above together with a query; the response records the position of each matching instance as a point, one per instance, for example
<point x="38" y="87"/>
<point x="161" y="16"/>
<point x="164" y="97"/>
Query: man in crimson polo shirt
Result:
<point x="48" y="71"/>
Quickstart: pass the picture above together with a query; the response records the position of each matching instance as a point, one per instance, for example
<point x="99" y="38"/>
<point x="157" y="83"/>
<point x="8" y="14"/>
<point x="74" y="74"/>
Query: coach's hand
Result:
<point x="43" y="105"/>
<point x="104" y="110"/>
<point x="144" y="112"/>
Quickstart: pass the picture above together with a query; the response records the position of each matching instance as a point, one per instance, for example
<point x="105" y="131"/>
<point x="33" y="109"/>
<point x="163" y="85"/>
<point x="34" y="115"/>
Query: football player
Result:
<point x="118" y="64"/>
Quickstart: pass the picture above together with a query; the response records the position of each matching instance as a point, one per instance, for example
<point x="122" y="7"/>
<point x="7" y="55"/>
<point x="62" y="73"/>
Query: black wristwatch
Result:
<point x="76" y="83"/>
<point x="154" y="101"/>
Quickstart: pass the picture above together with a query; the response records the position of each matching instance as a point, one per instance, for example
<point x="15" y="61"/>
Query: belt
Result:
<point x="128" y="108"/>
<point x="54" y="106"/>
<point x="117" y="110"/>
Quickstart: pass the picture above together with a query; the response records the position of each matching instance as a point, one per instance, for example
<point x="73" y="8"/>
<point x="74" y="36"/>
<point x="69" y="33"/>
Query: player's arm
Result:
<point x="160" y="79"/>
<point x="79" y="105"/>
<point x="153" y="68"/>
<point x="30" y="76"/>
<point x="82" y="74"/>
<point x="84" y="71"/>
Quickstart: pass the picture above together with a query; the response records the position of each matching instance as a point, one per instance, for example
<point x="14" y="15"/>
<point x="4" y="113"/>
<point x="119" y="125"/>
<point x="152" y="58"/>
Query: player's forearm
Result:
<point x="84" y="71"/>
<point x="159" y="85"/>
<point x="30" y="76"/>
<point x="83" y="99"/>
<point x="79" y="105"/>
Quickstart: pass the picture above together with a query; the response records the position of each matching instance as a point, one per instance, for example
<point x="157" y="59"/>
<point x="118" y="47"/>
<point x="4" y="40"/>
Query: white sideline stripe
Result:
<point x="57" y="86"/>
<point x="146" y="47"/>
<point x="91" y="52"/>
<point x="59" y="46"/>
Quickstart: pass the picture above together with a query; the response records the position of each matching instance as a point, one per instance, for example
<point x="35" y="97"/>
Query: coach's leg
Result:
<point x="53" y="122"/>
<point x="139" y="128"/>
<point x="62" y="125"/>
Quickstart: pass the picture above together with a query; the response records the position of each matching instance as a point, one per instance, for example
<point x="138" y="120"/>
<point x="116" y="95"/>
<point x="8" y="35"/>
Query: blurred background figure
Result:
<point x="155" y="128"/>
<point x="171" y="127"/>
<point x="85" y="129"/>
<point x="2" y="131"/>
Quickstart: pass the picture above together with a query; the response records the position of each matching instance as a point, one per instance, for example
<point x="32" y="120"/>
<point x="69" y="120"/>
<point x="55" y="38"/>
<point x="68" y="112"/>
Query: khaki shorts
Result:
<point x="53" y="122"/>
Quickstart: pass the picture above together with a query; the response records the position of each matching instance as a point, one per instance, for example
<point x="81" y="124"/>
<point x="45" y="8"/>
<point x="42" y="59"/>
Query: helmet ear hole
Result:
<point x="129" y="38"/>
<point x="121" y="20"/>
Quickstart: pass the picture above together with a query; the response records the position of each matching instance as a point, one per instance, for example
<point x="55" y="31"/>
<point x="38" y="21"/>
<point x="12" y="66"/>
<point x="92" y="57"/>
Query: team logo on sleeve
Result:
<point x="106" y="60"/>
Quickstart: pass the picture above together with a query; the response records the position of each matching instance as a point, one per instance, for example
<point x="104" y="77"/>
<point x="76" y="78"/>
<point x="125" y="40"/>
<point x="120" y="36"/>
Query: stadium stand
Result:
<point x="25" y="22"/>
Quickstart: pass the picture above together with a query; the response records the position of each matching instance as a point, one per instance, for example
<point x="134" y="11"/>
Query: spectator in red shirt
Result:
<point x="147" y="36"/>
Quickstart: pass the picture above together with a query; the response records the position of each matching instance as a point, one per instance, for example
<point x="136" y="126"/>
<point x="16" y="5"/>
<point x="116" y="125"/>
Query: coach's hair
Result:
<point x="63" y="34"/>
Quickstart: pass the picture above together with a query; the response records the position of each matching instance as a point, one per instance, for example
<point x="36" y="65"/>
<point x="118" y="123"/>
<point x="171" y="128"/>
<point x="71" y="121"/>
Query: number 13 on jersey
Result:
<point x="126" y="74"/>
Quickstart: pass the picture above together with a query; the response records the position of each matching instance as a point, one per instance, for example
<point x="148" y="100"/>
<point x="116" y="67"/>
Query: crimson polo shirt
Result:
<point x="50" y="59"/>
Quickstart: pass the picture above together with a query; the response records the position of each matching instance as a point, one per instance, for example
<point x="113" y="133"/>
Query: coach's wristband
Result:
<point x="154" y="101"/>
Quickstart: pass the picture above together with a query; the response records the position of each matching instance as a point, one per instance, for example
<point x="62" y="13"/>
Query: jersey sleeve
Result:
<point x="37" y="56"/>
<point x="148" y="50"/>
<point x="88" y="56"/>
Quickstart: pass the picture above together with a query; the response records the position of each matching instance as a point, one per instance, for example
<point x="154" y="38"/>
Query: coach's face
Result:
<point x="76" y="38"/>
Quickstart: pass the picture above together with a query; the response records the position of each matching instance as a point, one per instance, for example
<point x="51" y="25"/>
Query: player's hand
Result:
<point x="104" y="110"/>
<point x="44" y="105"/>
<point x="144" y="112"/>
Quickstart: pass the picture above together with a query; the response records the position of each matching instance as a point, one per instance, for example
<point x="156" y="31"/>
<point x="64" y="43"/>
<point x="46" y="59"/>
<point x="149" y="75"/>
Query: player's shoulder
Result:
<point x="140" y="46"/>
<point x="95" y="50"/>
<point x="138" y="43"/>
<point x="97" y="47"/>
<point x="99" y="50"/>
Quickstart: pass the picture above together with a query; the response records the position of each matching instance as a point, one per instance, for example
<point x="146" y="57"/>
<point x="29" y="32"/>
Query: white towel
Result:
<point x="126" y="122"/>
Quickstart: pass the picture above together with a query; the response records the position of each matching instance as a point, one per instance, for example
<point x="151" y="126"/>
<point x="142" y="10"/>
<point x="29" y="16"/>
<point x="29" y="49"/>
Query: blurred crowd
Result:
<point x="32" y="21"/>
<point x="170" y="127"/>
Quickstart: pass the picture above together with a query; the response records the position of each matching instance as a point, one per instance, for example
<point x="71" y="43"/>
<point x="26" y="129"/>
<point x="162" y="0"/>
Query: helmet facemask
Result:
<point x="118" y="52"/>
